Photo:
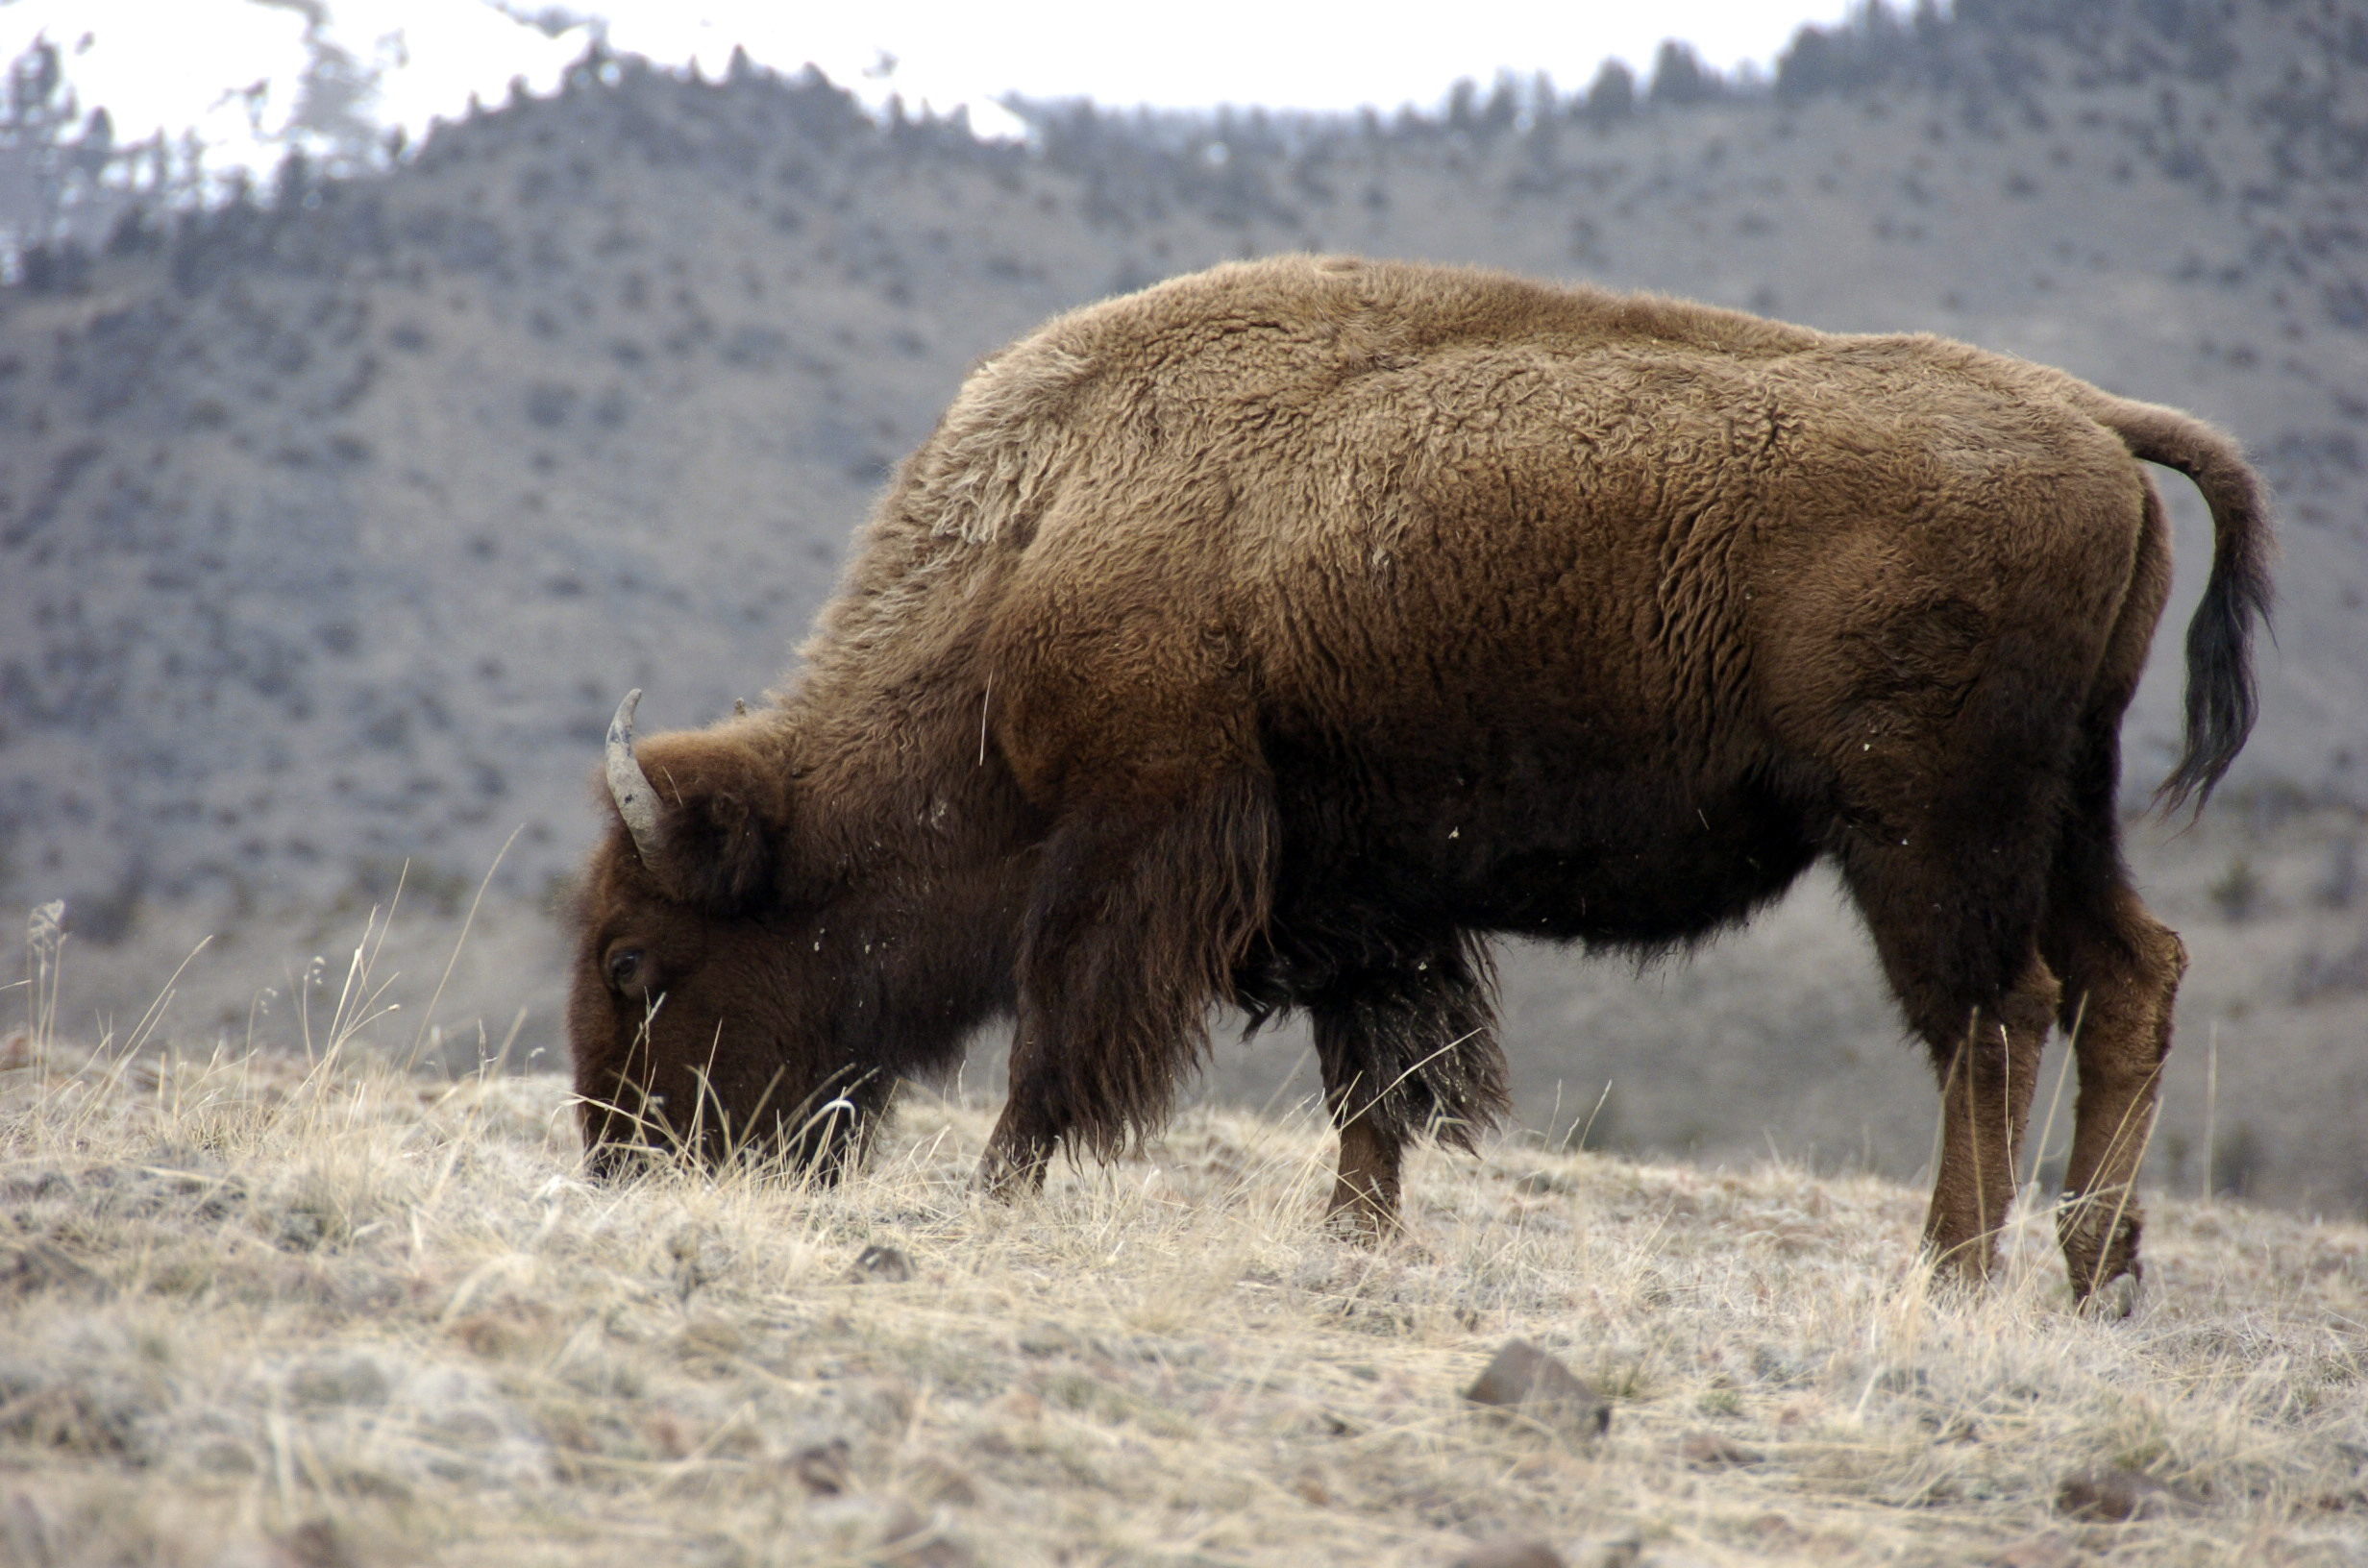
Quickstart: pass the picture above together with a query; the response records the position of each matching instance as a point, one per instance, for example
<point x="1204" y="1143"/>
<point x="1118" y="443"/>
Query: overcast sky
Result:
<point x="228" y="68"/>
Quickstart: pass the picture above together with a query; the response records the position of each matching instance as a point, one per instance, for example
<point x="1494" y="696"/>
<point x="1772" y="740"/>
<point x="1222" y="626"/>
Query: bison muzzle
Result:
<point x="1273" y="636"/>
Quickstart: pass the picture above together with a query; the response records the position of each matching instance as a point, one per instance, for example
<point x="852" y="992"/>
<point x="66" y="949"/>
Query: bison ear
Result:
<point x="703" y="809"/>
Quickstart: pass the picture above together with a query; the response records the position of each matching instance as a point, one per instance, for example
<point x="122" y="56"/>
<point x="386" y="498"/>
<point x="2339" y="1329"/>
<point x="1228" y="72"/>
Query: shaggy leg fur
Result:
<point x="2120" y="966"/>
<point x="1405" y="1051"/>
<point x="1132" y="933"/>
<point x="2122" y="969"/>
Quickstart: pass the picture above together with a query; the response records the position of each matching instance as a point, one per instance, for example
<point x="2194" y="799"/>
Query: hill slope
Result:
<point x="331" y="531"/>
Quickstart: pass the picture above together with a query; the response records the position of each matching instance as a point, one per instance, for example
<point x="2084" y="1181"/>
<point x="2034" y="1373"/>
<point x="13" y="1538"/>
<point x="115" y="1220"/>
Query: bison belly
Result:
<point x="1562" y="849"/>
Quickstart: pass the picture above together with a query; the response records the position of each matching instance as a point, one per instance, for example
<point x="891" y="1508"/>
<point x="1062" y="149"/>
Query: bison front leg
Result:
<point x="1021" y="1144"/>
<point x="1132" y="933"/>
<point x="1404" y="1051"/>
<point x="1366" y="1192"/>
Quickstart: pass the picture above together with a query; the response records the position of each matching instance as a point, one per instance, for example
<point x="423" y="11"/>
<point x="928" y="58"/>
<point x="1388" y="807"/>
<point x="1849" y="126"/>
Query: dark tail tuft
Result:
<point x="2222" y="699"/>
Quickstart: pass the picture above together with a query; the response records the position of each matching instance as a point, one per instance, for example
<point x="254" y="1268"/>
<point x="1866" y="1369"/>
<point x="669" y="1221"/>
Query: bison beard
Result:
<point x="1271" y="636"/>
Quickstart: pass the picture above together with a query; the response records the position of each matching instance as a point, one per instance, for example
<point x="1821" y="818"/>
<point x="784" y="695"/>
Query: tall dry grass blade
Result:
<point x="2211" y="1105"/>
<point x="1578" y="1145"/>
<point x="419" y="1037"/>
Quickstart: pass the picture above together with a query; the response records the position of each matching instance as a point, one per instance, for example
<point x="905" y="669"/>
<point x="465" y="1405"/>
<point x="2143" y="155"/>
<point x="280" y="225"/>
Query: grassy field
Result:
<point x="264" y="1308"/>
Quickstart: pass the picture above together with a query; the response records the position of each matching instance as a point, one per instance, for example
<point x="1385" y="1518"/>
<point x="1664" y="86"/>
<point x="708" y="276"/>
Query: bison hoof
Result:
<point x="1358" y="1226"/>
<point x="1360" y="1218"/>
<point x="2115" y="1299"/>
<point x="2100" y="1251"/>
<point x="1968" y="1266"/>
<point x="1007" y="1174"/>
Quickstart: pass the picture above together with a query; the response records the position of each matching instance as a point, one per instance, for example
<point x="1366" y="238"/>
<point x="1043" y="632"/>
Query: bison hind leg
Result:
<point x="1406" y="1050"/>
<point x="2121" y="969"/>
<point x="1137" y="923"/>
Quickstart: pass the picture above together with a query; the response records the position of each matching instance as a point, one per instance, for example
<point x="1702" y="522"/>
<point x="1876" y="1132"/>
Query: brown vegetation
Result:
<point x="260" y="1311"/>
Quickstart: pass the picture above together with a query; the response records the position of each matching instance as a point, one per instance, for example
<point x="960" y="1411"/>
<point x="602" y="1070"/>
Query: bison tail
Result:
<point x="2222" y="699"/>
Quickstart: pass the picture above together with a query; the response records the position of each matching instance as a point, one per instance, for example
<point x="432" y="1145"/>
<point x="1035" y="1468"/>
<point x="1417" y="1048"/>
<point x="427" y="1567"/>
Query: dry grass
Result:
<point x="260" y="1308"/>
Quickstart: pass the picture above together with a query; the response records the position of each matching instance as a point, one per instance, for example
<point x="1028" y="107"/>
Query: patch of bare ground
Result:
<point x="266" y="1310"/>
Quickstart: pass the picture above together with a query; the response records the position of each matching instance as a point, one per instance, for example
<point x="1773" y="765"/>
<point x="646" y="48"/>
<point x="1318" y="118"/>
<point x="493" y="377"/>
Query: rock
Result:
<point x="1708" y="1450"/>
<point x="2112" y="1494"/>
<point x="1512" y="1551"/>
<point x="822" y="1467"/>
<point x="1526" y="1382"/>
<point x="884" y="1262"/>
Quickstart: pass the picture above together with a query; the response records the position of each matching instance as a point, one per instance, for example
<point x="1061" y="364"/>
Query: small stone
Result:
<point x="884" y="1262"/>
<point x="2111" y="1495"/>
<point x="822" y="1467"/>
<point x="1526" y="1382"/>
<point x="1510" y="1552"/>
<point x="2052" y="1549"/>
<point x="1708" y="1450"/>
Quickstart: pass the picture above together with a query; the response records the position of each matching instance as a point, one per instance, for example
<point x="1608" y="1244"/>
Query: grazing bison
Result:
<point x="1274" y="635"/>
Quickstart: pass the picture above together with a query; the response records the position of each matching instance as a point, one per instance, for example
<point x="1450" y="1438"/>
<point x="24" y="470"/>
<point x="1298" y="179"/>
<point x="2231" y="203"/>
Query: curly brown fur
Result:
<point x="1271" y="636"/>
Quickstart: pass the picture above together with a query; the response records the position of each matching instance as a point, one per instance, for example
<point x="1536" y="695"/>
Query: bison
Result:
<point x="1276" y="634"/>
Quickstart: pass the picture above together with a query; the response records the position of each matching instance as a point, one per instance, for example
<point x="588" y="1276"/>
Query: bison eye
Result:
<point x="624" y="967"/>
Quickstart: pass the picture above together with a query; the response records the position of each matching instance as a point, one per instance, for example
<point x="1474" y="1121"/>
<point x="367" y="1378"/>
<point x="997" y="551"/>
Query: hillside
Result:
<point x="332" y="526"/>
<point x="262" y="1311"/>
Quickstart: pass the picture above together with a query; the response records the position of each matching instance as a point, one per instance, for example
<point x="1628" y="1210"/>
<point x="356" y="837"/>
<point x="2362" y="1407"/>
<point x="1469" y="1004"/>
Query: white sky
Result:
<point x="185" y="64"/>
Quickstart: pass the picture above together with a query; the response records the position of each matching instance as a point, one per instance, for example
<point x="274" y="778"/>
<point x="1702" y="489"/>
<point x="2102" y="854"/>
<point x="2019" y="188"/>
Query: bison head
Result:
<point x="714" y="1009"/>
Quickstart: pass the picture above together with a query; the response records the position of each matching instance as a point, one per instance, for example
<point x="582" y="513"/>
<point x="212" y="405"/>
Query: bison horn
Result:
<point x="636" y="801"/>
